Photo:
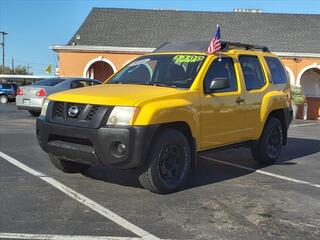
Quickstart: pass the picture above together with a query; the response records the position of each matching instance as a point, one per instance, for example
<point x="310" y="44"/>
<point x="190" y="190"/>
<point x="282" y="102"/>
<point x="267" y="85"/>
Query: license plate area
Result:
<point x="26" y="101"/>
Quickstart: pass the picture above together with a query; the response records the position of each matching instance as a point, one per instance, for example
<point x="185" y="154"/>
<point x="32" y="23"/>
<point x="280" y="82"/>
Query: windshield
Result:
<point x="49" y="82"/>
<point x="169" y="70"/>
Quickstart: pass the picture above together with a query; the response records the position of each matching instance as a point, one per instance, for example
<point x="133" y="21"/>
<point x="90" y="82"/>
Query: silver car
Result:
<point x="31" y="97"/>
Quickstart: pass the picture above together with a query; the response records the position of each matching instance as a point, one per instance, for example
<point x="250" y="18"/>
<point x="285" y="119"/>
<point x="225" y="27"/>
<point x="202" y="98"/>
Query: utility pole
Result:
<point x="28" y="68"/>
<point x="3" y="35"/>
<point x="12" y="65"/>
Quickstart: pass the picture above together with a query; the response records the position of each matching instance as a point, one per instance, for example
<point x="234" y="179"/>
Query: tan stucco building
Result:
<point x="109" y="38"/>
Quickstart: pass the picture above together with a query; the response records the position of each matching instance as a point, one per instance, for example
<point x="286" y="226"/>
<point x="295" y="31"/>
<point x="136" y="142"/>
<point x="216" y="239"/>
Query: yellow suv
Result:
<point x="163" y="108"/>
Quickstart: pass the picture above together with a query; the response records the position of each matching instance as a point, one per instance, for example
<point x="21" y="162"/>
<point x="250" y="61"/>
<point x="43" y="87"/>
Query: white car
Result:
<point x="31" y="97"/>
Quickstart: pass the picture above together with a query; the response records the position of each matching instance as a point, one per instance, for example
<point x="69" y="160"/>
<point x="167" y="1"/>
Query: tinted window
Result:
<point x="223" y="68"/>
<point x="6" y="86"/>
<point x="49" y="82"/>
<point x="278" y="75"/>
<point x="79" y="84"/>
<point x="252" y="72"/>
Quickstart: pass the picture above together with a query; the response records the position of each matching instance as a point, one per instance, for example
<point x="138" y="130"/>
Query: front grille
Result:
<point x="59" y="110"/>
<point x="92" y="113"/>
<point x="86" y="112"/>
<point x="80" y="108"/>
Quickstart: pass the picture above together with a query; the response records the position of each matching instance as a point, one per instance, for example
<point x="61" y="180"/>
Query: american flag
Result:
<point x="215" y="44"/>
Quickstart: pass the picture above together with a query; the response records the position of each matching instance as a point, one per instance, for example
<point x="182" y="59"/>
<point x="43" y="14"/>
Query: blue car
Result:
<point x="8" y="92"/>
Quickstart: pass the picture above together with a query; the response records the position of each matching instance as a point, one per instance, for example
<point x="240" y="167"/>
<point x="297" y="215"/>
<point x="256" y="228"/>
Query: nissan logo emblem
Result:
<point x="73" y="111"/>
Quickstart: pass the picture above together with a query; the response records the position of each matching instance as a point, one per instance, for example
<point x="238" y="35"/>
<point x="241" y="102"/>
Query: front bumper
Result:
<point x="96" y="146"/>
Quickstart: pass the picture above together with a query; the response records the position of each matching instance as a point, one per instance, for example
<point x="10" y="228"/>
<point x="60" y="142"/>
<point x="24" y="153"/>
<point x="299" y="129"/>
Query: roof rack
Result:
<point x="226" y="46"/>
<point x="201" y="46"/>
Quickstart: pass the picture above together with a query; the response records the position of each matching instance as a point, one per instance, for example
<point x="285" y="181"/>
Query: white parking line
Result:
<point x="82" y="199"/>
<point x="59" y="237"/>
<point x="262" y="172"/>
<point x="304" y="124"/>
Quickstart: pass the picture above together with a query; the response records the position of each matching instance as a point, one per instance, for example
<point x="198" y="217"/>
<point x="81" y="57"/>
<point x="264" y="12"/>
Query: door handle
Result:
<point x="239" y="100"/>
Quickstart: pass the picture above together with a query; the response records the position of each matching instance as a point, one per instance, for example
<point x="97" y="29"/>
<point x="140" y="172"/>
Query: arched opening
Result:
<point x="290" y="76"/>
<point x="99" y="68"/>
<point x="310" y="83"/>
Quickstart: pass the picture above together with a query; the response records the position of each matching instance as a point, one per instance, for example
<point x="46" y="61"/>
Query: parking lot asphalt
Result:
<point x="228" y="196"/>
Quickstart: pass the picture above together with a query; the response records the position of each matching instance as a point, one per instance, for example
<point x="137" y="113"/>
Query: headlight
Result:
<point x="122" y="116"/>
<point x="44" y="107"/>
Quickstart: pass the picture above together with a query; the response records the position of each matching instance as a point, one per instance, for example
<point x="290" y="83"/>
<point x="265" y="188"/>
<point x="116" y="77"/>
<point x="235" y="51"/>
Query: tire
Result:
<point x="34" y="114"/>
<point x="268" y="148"/>
<point x="67" y="166"/>
<point x="168" y="162"/>
<point x="4" y="99"/>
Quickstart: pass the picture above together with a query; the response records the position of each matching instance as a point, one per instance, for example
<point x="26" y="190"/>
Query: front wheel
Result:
<point x="67" y="166"/>
<point x="268" y="148"/>
<point x="168" y="162"/>
<point x="4" y="99"/>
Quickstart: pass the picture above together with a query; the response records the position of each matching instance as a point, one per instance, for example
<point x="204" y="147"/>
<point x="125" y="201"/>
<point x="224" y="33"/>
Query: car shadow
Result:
<point x="127" y="177"/>
<point x="299" y="148"/>
<point x="209" y="171"/>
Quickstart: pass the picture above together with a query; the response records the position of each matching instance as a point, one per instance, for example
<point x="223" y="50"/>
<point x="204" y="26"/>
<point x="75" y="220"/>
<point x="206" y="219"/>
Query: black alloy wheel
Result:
<point x="268" y="148"/>
<point x="168" y="162"/>
<point x="171" y="162"/>
<point x="274" y="142"/>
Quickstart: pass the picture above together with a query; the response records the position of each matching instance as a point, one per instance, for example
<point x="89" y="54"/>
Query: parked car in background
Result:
<point x="7" y="92"/>
<point x="31" y="97"/>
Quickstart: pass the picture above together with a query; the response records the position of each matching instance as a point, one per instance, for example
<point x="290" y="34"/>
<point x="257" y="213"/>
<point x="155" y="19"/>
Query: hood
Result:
<point x="115" y="94"/>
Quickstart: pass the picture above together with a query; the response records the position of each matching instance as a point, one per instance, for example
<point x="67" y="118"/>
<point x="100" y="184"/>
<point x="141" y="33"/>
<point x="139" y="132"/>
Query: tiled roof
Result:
<point x="151" y="28"/>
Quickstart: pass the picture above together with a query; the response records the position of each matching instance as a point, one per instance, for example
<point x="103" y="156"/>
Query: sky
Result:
<point x="34" y="25"/>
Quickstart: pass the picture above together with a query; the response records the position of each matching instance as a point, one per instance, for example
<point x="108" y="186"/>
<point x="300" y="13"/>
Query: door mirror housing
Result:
<point x="217" y="84"/>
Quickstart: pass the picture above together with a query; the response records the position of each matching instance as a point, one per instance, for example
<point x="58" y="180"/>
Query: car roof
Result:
<point x="201" y="47"/>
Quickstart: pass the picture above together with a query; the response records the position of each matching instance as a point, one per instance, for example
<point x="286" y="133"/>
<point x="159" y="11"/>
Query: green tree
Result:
<point x="297" y="95"/>
<point x="18" y="70"/>
<point x="22" y="70"/>
<point x="7" y="70"/>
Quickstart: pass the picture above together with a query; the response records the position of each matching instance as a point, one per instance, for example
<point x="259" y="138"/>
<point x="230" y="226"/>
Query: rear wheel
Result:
<point x="268" y="148"/>
<point x="4" y="99"/>
<point x="168" y="162"/>
<point x="67" y="166"/>
<point x="34" y="113"/>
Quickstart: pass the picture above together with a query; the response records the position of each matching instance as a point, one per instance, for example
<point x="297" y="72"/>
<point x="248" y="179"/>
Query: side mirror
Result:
<point x="217" y="84"/>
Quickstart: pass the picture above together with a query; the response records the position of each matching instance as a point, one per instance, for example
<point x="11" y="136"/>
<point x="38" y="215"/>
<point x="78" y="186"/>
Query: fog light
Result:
<point x="122" y="148"/>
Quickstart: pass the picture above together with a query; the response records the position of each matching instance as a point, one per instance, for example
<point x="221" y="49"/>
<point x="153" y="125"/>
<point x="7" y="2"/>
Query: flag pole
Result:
<point x="220" y="49"/>
<point x="215" y="44"/>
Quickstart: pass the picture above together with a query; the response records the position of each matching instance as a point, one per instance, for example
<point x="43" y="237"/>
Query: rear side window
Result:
<point x="79" y="83"/>
<point x="6" y="86"/>
<point x="49" y="82"/>
<point x="252" y="72"/>
<point x="278" y="75"/>
<point x="223" y="68"/>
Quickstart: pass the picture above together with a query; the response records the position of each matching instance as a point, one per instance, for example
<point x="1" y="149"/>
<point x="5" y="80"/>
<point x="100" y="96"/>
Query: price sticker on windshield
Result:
<point x="187" y="58"/>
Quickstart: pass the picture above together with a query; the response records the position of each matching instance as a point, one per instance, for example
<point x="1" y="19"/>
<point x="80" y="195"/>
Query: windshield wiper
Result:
<point x="157" y="84"/>
<point x="146" y="83"/>
<point x="163" y="85"/>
